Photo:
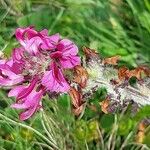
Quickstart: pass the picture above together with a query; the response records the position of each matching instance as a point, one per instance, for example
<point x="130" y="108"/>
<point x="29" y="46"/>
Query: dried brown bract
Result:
<point x="141" y="132"/>
<point x="104" y="105"/>
<point x="123" y="73"/>
<point x="90" y="52"/>
<point x="77" y="111"/>
<point x="137" y="72"/>
<point x="111" y="60"/>
<point x="81" y="76"/>
<point x="76" y="99"/>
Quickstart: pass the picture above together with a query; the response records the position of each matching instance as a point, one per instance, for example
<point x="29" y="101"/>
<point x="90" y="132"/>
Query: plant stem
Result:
<point x="29" y="128"/>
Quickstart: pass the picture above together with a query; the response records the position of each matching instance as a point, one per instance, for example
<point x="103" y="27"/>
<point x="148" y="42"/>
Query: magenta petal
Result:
<point x="44" y="32"/>
<point x="50" y="42"/>
<point x="19" y="35"/>
<point x="32" y="104"/>
<point x="55" y="81"/>
<point x="17" y="53"/>
<point x="12" y="80"/>
<point x="8" y="82"/>
<point x="19" y="106"/>
<point x="28" y="90"/>
<point x="16" y="90"/>
<point x="56" y="55"/>
<point x="8" y="77"/>
<point x="32" y="46"/>
<point x="23" y="33"/>
<point x="27" y="114"/>
<point x="67" y="47"/>
<point x="54" y="38"/>
<point x="17" y="67"/>
<point x="10" y="62"/>
<point x="2" y="62"/>
<point x="46" y="80"/>
<point x="70" y="62"/>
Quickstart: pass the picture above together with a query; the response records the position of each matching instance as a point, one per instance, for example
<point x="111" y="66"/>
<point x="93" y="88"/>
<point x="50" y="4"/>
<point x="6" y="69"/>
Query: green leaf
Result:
<point x="107" y="121"/>
<point x="125" y="125"/>
<point x="143" y="113"/>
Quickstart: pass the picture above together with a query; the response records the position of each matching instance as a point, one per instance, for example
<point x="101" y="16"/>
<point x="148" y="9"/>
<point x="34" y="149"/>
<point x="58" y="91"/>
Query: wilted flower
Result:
<point x="37" y="67"/>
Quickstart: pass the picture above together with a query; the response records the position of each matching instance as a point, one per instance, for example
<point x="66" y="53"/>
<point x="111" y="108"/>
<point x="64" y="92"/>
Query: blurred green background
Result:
<point x="111" y="27"/>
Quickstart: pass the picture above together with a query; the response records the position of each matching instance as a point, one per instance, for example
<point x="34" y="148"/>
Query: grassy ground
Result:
<point x="110" y="26"/>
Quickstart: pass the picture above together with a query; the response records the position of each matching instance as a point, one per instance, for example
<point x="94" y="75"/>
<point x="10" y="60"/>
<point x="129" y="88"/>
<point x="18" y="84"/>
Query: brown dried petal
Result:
<point x="81" y="76"/>
<point x="76" y="97"/>
<point x="90" y="52"/>
<point x="77" y="111"/>
<point x="137" y="72"/>
<point x="104" y="105"/>
<point x="141" y="132"/>
<point x="112" y="60"/>
<point x="123" y="73"/>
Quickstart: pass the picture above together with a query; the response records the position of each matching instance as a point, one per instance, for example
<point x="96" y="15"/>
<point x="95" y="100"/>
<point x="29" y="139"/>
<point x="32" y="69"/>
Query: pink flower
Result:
<point x="32" y="40"/>
<point x="36" y="68"/>
<point x="66" y="53"/>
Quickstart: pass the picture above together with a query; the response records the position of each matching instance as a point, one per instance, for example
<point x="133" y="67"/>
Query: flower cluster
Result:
<point x="36" y="67"/>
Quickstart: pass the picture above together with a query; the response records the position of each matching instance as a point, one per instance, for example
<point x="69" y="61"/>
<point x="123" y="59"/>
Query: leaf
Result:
<point x="2" y="55"/>
<point x="125" y="125"/>
<point x="8" y="49"/>
<point x="39" y="19"/>
<point x="87" y="130"/>
<point x="107" y="121"/>
<point x="92" y="130"/>
<point x="81" y="76"/>
<point x="143" y="113"/>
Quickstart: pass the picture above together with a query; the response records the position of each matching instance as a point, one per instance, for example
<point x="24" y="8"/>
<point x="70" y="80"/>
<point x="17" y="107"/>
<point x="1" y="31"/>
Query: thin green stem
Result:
<point x="29" y="128"/>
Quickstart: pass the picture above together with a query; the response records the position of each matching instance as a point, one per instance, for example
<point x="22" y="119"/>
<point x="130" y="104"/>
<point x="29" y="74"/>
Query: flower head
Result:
<point x="36" y="68"/>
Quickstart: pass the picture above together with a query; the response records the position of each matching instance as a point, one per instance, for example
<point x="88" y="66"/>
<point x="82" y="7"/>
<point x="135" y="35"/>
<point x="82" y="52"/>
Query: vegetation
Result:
<point x="112" y="27"/>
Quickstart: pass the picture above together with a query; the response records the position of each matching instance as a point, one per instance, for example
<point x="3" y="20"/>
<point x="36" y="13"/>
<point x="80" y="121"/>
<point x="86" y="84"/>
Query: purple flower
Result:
<point x="66" y="54"/>
<point x="36" y="68"/>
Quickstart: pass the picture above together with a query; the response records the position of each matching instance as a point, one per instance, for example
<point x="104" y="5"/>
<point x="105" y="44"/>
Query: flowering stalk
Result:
<point x="42" y="65"/>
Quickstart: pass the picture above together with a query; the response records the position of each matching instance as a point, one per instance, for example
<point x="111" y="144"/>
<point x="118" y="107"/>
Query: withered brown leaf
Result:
<point x="77" y="111"/>
<point x="141" y="132"/>
<point x="137" y="72"/>
<point x="111" y="60"/>
<point x="90" y="52"/>
<point x="104" y="105"/>
<point x="81" y="76"/>
<point x="123" y="73"/>
<point x="76" y="97"/>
